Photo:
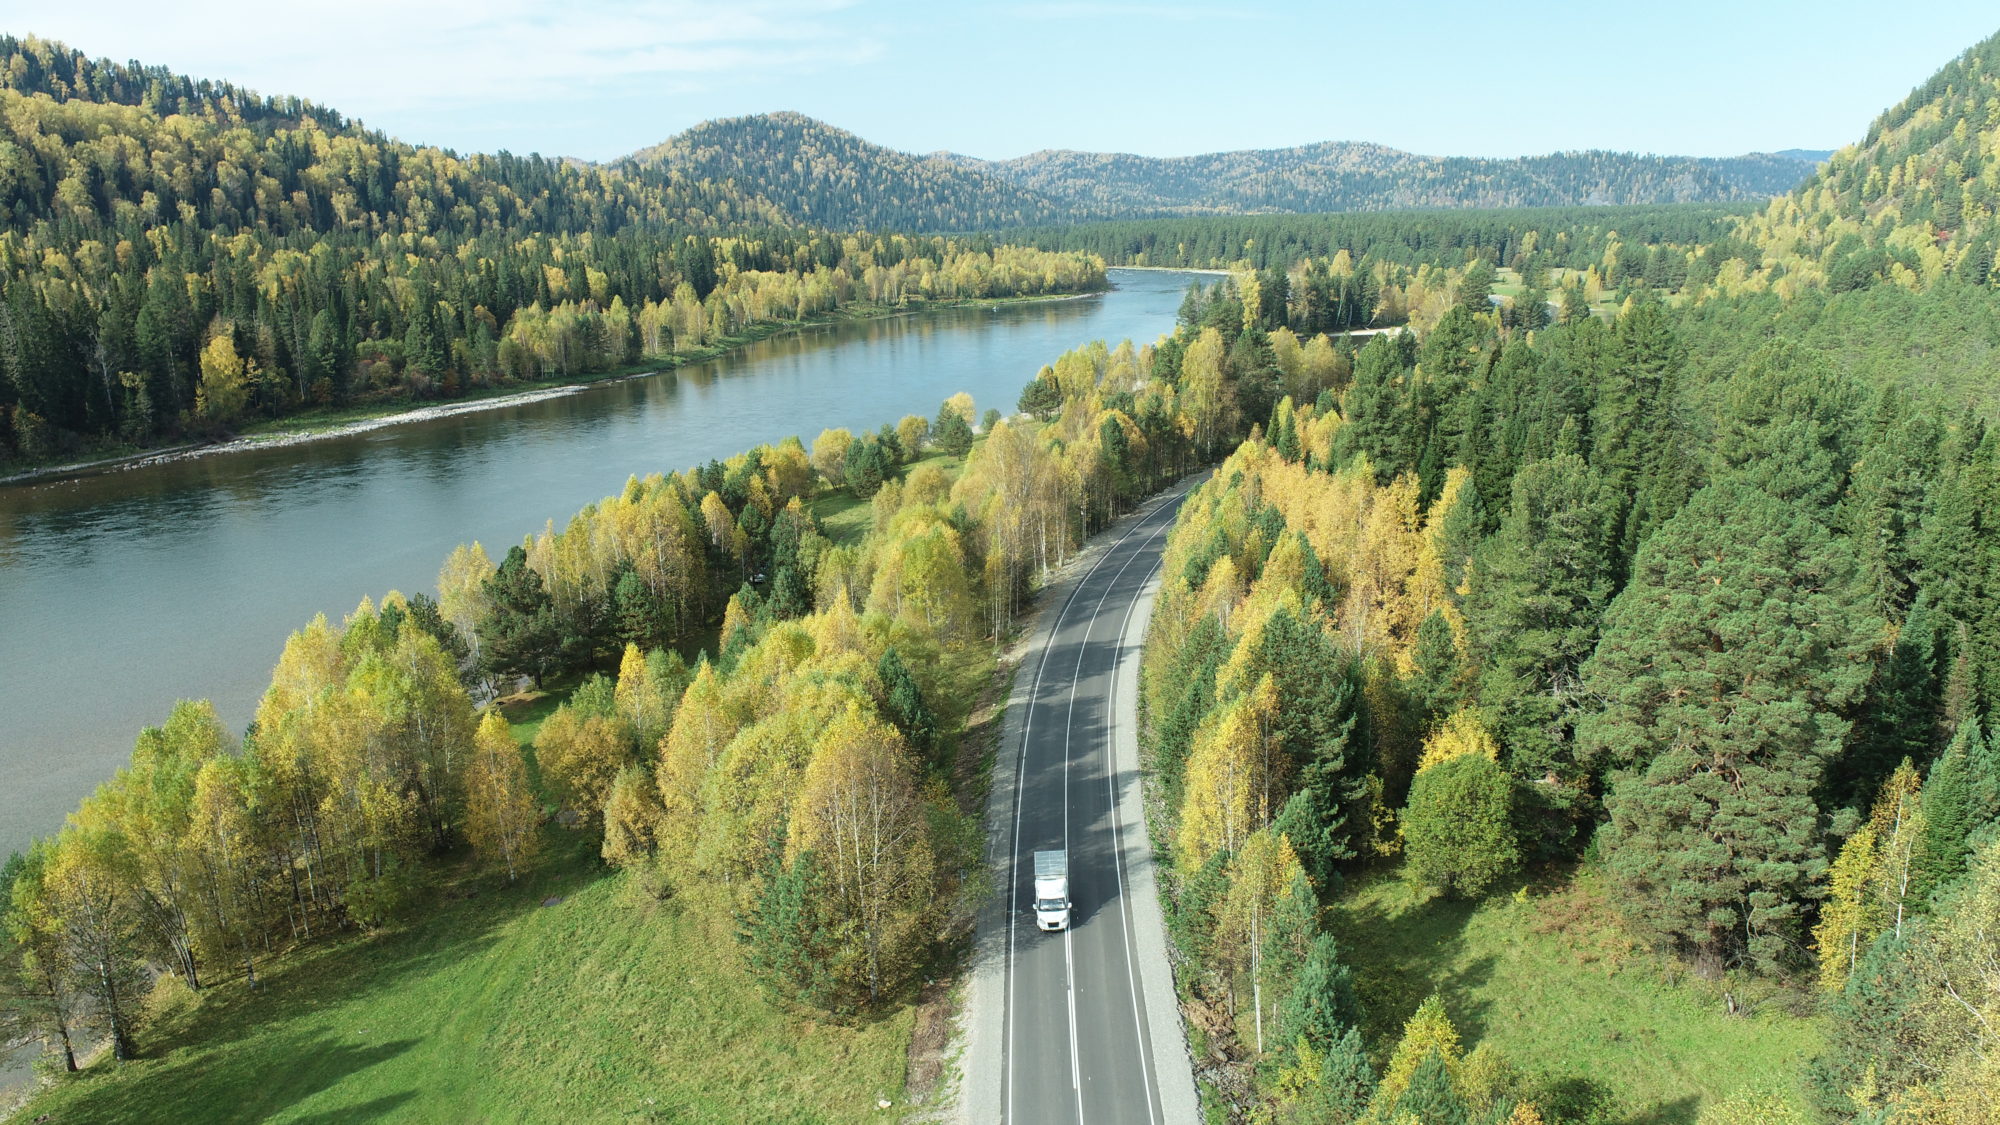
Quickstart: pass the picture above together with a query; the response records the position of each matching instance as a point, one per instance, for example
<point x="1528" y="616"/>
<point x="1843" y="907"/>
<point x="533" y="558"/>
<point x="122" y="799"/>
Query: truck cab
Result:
<point x="1052" y="891"/>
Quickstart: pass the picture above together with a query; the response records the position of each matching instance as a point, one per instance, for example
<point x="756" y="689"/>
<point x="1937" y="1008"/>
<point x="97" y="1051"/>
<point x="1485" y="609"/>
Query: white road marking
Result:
<point x="1136" y="971"/>
<point x="1020" y="775"/>
<point x="1075" y="679"/>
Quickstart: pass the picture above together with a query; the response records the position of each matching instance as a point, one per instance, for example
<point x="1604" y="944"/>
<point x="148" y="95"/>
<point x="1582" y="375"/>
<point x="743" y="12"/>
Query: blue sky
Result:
<point x="1001" y="79"/>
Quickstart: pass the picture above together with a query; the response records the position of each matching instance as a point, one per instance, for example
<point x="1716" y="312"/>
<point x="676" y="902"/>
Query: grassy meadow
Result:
<point x="496" y="1007"/>
<point x="1548" y="977"/>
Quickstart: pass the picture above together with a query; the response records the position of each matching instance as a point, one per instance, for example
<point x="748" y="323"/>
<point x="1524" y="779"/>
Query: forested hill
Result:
<point x="119" y="147"/>
<point x="179" y="257"/>
<point x="827" y="177"/>
<point x="1915" y="201"/>
<point x="1347" y="176"/>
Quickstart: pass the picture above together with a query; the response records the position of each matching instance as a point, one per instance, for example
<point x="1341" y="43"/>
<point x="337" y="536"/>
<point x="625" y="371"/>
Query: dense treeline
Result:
<point x="178" y="257"/>
<point x="1565" y="237"/>
<point x="1353" y="176"/>
<point x="1497" y="598"/>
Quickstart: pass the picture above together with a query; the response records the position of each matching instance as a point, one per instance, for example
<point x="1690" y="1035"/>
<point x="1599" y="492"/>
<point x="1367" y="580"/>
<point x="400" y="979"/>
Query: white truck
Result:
<point x="1052" y="890"/>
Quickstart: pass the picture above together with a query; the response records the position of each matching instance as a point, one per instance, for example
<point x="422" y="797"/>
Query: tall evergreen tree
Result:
<point x="1958" y="800"/>
<point x="1432" y="1098"/>
<point x="520" y="636"/>
<point x="1872" y="1039"/>
<point x="1723" y="674"/>
<point x="1319" y="695"/>
<point x="1539" y="590"/>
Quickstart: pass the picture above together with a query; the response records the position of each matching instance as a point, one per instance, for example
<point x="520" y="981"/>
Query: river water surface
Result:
<point x="123" y="592"/>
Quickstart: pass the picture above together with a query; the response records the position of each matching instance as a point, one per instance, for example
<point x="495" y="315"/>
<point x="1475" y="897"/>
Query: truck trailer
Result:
<point x="1052" y="890"/>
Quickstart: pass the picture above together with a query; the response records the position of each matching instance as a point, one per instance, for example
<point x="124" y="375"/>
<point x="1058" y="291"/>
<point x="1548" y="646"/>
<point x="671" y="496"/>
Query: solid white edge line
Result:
<point x="1138" y="972"/>
<point x="1020" y="773"/>
<point x="1117" y="844"/>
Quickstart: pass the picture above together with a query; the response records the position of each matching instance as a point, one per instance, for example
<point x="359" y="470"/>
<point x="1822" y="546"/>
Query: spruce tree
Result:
<point x="1319" y="696"/>
<point x="1189" y="694"/>
<point x="951" y="433"/>
<point x="867" y="466"/>
<point x="520" y="636"/>
<point x="1539" y="590"/>
<point x="1431" y="1097"/>
<point x="1437" y="669"/>
<point x="1322" y="1006"/>
<point x="1475" y="288"/>
<point x="1723" y="674"/>
<point x="1955" y="797"/>
<point x="1378" y="424"/>
<point x="1871" y="1035"/>
<point x="1900" y="715"/>
<point x="903" y="703"/>
<point x="1346" y="1083"/>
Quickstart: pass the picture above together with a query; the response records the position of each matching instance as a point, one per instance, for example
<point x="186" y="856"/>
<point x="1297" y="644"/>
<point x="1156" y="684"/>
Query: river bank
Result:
<point x="297" y="430"/>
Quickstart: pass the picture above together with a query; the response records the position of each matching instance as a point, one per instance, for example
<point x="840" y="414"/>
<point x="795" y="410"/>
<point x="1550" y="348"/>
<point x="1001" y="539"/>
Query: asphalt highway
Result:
<point x="1088" y="1029"/>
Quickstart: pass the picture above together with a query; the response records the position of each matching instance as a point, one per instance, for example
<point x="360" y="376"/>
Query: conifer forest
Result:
<point x="1564" y="685"/>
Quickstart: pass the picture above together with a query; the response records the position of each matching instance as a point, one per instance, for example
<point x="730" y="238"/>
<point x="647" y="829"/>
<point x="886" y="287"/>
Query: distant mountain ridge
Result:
<point x="1359" y="176"/>
<point x="826" y="176"/>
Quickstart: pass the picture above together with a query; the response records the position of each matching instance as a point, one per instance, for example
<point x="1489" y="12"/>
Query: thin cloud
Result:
<point x="1175" y="12"/>
<point x="370" y="57"/>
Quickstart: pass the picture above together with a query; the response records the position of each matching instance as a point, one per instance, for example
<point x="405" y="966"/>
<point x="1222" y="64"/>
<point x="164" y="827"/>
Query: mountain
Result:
<point x="96" y="142"/>
<point x="827" y="177"/>
<point x="1806" y="155"/>
<point x="823" y="176"/>
<point x="1351" y="176"/>
<point x="1917" y="200"/>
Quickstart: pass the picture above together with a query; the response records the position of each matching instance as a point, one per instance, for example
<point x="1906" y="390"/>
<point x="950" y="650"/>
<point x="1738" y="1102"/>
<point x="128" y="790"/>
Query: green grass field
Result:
<point x="1552" y="982"/>
<point x="844" y="517"/>
<point x="498" y="1008"/>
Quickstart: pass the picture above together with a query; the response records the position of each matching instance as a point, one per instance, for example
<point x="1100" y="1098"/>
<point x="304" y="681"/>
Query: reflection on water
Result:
<point x="124" y="591"/>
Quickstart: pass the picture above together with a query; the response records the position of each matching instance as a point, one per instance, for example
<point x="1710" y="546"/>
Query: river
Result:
<point x="123" y="592"/>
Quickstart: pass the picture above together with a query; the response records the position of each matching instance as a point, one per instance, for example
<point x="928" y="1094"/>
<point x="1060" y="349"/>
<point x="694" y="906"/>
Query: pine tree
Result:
<point x="790" y="947"/>
<point x="1723" y="670"/>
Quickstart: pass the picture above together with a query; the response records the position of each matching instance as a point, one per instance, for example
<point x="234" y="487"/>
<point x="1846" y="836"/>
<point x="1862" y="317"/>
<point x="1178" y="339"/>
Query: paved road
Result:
<point x="1080" y="1026"/>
